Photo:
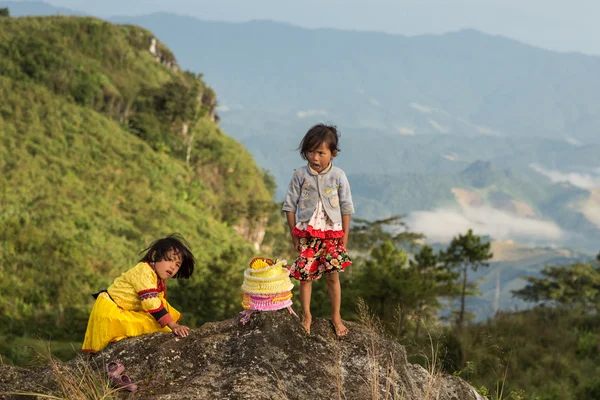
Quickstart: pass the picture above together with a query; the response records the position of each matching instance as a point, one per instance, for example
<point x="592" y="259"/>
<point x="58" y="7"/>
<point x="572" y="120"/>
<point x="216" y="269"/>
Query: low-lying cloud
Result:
<point x="580" y="180"/>
<point x="421" y="108"/>
<point x="311" y="113"/>
<point x="442" y="225"/>
<point x="592" y="213"/>
<point x="438" y="127"/>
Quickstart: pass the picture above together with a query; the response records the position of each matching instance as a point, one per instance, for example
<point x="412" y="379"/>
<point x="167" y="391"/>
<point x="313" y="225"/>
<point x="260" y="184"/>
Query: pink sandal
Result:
<point x="125" y="382"/>
<point x="114" y="369"/>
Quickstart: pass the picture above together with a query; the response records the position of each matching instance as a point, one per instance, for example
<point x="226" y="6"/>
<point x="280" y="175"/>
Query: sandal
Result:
<point x="114" y="369"/>
<point x="125" y="382"/>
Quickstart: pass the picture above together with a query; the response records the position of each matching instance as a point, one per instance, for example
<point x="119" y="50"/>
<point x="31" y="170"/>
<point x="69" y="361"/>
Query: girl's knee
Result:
<point x="332" y="277"/>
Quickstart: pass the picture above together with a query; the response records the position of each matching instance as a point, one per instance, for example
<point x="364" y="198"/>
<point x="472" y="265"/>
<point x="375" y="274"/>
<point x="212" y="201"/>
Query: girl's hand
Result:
<point x="180" y="330"/>
<point x="296" y="242"/>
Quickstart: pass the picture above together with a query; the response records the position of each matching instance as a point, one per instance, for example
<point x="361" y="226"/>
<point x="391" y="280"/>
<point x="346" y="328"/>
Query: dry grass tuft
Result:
<point x="78" y="381"/>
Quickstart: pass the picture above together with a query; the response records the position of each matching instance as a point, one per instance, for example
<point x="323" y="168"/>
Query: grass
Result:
<point x="434" y="370"/>
<point x="23" y="351"/>
<point x="375" y="356"/>
<point x="77" y="380"/>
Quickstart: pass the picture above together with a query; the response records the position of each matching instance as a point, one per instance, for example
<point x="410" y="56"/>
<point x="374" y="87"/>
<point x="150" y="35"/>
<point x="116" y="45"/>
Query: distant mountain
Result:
<point x="415" y="114"/>
<point x="461" y="83"/>
<point x="501" y="202"/>
<point x="35" y="8"/>
<point x="406" y="106"/>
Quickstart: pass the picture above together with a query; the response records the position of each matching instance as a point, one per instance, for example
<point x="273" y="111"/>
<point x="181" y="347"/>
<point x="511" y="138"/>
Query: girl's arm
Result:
<point x="346" y="228"/>
<point x="291" y="219"/>
<point x="293" y="193"/>
<point x="346" y="206"/>
<point x="290" y="204"/>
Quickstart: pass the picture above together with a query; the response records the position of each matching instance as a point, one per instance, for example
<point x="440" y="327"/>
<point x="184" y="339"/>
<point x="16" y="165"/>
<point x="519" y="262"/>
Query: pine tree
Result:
<point x="464" y="252"/>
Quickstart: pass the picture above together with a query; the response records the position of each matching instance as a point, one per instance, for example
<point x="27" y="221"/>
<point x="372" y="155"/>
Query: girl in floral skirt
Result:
<point x="318" y="206"/>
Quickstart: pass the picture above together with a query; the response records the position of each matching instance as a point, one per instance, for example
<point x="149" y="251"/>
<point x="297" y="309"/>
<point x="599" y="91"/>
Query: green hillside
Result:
<point x="105" y="147"/>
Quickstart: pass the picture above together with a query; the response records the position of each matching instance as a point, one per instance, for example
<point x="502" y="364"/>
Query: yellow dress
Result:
<point x="135" y="304"/>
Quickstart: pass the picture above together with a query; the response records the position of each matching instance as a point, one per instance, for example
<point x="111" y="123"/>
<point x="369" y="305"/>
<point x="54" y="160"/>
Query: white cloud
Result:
<point x="451" y="157"/>
<point x="311" y="113"/>
<point x="487" y="131"/>
<point x="420" y="108"/>
<point x="442" y="224"/>
<point x="223" y="108"/>
<point x="374" y="101"/>
<point x="405" y="131"/>
<point x="573" y="141"/>
<point x="438" y="127"/>
<point x="592" y="213"/>
<point x="584" y="181"/>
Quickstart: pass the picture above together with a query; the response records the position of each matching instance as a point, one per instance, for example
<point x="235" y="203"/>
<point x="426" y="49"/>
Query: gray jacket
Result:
<point x="306" y="189"/>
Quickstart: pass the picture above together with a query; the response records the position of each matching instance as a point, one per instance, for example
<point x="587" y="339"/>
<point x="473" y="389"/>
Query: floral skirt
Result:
<point x="318" y="256"/>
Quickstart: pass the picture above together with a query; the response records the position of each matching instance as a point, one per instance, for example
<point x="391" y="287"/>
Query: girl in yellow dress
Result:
<point x="136" y="302"/>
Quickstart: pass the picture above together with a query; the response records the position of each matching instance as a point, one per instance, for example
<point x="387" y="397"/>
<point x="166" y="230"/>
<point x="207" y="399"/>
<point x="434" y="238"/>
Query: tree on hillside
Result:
<point x="4" y="12"/>
<point x="464" y="252"/>
<point x="389" y="282"/>
<point x="433" y="280"/>
<point x="575" y="286"/>
<point x="366" y="235"/>
<point x="384" y="281"/>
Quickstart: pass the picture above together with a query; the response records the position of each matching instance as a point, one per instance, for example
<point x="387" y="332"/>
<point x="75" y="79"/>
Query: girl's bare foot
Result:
<point x="340" y="328"/>
<point x="306" y="322"/>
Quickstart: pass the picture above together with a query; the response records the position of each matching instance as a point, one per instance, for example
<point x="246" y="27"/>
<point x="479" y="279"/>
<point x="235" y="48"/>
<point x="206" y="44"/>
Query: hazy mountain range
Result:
<point x="465" y="128"/>
<point x="415" y="113"/>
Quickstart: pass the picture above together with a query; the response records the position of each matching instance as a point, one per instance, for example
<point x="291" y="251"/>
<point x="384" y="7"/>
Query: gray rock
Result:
<point x="271" y="357"/>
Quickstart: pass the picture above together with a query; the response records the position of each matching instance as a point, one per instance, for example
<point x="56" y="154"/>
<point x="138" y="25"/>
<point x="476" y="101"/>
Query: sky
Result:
<point x="561" y="25"/>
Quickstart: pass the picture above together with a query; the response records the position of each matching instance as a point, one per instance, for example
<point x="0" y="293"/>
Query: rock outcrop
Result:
<point x="271" y="357"/>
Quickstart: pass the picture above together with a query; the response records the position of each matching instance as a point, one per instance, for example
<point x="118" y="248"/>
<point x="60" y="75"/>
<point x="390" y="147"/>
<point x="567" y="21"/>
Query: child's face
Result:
<point x="320" y="157"/>
<point x="168" y="267"/>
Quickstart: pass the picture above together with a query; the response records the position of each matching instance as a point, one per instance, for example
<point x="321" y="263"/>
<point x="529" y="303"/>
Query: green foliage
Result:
<point x="395" y="287"/>
<point x="575" y="286"/>
<point x="80" y="198"/>
<point x="95" y="164"/>
<point x="384" y="279"/>
<point x="590" y="391"/>
<point x="466" y="252"/>
<point x="4" y="12"/>
<point x="14" y="350"/>
<point x="367" y="234"/>
<point x="545" y="353"/>
<point x="432" y="281"/>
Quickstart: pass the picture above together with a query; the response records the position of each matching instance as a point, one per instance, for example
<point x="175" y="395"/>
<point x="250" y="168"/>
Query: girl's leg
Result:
<point x="335" y="297"/>
<point x="305" y="293"/>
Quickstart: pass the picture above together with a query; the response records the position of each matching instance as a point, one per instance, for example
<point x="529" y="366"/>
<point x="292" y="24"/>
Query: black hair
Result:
<point x="318" y="134"/>
<point x="160" y="250"/>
